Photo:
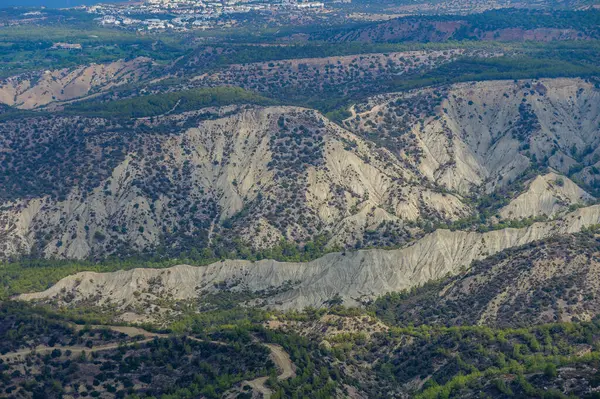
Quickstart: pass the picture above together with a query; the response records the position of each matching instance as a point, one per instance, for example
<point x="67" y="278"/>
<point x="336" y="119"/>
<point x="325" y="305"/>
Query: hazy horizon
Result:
<point x="53" y="3"/>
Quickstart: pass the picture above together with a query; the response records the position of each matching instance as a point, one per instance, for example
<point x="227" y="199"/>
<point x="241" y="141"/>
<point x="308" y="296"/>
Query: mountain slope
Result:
<point x="552" y="280"/>
<point x="505" y="25"/>
<point x="38" y="89"/>
<point x="259" y="174"/>
<point x="240" y="178"/>
<point x="546" y="195"/>
<point x="484" y="135"/>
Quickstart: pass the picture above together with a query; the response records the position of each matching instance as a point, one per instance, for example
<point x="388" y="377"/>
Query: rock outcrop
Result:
<point x="484" y="135"/>
<point x="261" y="174"/>
<point x="546" y="195"/>
<point x="402" y="165"/>
<point x="548" y="281"/>
<point x="37" y="89"/>
<point x="354" y="276"/>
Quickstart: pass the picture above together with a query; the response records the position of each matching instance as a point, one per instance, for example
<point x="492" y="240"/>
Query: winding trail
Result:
<point x="127" y="330"/>
<point x="278" y="355"/>
<point x="282" y="361"/>
<point x="286" y="368"/>
<point x="352" y="111"/>
<point x="147" y="118"/>
<point x="76" y="350"/>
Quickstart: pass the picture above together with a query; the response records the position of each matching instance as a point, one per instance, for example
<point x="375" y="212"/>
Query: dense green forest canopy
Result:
<point x="176" y="102"/>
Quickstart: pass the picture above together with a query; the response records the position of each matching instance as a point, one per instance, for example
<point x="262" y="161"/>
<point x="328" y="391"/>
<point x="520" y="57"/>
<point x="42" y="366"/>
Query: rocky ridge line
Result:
<point x="354" y="276"/>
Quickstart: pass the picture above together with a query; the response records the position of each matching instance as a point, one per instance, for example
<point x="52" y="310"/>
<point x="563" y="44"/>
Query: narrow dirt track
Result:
<point x="283" y="362"/>
<point x="12" y="356"/>
<point x="258" y="385"/>
<point x="278" y="355"/>
<point x="127" y="330"/>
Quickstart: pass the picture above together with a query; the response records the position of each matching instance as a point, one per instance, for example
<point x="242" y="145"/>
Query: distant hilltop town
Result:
<point x="184" y="15"/>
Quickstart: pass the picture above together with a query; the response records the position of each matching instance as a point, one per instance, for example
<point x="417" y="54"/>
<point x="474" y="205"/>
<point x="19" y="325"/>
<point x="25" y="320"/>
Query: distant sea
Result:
<point x="52" y="3"/>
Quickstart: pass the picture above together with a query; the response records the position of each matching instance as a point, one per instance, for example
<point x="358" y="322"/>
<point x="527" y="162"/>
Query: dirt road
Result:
<point x="283" y="362"/>
<point x="286" y="370"/>
<point x="278" y="355"/>
<point x="76" y="350"/>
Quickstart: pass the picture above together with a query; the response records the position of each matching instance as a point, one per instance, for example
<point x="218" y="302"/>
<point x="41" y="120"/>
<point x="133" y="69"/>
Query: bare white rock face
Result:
<point x="487" y="133"/>
<point x="548" y="195"/>
<point x="37" y="89"/>
<point x="479" y="138"/>
<point x="349" y="190"/>
<point x="355" y="276"/>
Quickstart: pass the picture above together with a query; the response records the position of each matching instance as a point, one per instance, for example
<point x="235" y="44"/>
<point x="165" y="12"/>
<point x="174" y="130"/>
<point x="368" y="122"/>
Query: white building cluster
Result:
<point x="190" y="14"/>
